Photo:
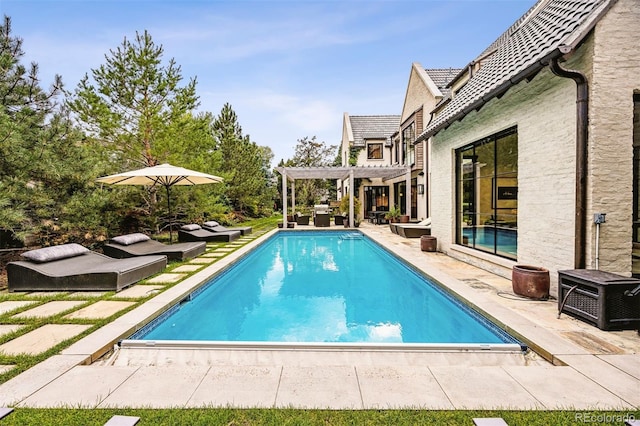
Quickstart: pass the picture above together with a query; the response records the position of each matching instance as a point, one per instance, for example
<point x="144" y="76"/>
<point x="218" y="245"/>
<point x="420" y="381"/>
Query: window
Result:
<point x="396" y="150"/>
<point x="408" y="149"/>
<point x="376" y="198"/>
<point x="374" y="151"/>
<point x="487" y="194"/>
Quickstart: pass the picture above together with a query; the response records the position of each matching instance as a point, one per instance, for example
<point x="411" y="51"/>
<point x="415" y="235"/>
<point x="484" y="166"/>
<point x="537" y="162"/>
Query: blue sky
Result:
<point x="289" y="69"/>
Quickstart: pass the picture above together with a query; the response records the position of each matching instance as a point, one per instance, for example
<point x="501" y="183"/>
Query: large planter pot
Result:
<point x="530" y="281"/>
<point x="404" y="218"/>
<point x="428" y="243"/>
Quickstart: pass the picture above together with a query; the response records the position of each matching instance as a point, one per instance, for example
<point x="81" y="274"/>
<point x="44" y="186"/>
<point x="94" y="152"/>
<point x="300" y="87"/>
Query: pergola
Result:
<point x="341" y="173"/>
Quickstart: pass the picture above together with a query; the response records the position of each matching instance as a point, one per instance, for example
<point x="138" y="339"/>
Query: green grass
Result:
<point x="223" y="416"/>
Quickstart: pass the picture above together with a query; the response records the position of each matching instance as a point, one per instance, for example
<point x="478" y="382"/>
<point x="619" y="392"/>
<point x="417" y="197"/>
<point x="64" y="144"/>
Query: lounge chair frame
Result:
<point x="179" y="251"/>
<point x="88" y="272"/>
<point x="206" y="235"/>
<point x="410" y="230"/>
<point x="244" y="230"/>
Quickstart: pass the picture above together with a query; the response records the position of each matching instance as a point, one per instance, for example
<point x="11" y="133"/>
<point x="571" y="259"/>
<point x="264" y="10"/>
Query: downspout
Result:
<point x="582" y="123"/>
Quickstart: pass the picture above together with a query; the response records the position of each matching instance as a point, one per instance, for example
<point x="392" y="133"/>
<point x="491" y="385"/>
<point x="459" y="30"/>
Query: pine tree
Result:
<point x="136" y="111"/>
<point x="243" y="166"/>
<point x="132" y="99"/>
<point x="42" y="165"/>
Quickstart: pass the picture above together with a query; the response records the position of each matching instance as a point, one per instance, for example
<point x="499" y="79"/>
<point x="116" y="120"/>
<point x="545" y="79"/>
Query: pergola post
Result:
<point x="293" y="197"/>
<point x="407" y="190"/>
<point x="284" y="200"/>
<point x="352" y="193"/>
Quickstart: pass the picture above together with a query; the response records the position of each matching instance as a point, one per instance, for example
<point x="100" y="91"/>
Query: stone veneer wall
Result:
<point x="615" y="77"/>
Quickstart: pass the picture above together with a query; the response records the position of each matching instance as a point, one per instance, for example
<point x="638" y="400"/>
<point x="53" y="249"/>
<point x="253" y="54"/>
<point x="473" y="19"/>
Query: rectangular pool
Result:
<point x="323" y="287"/>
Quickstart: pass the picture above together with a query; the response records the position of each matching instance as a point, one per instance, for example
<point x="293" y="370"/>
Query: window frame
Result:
<point x="381" y="149"/>
<point x="486" y="211"/>
<point x="408" y="147"/>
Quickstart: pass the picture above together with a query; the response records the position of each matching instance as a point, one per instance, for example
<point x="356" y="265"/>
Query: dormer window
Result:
<point x="374" y="151"/>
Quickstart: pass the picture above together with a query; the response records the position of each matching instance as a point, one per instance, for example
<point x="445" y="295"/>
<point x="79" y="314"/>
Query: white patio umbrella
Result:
<point x="165" y="175"/>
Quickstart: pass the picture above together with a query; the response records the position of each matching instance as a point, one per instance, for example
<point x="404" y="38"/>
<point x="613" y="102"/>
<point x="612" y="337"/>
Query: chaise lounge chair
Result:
<point x="132" y="245"/>
<point x="214" y="226"/>
<point x="72" y="267"/>
<point x="412" y="230"/>
<point x="194" y="232"/>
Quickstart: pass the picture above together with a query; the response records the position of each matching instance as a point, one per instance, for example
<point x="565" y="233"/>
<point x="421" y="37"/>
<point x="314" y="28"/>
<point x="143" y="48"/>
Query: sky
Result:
<point x="289" y="69"/>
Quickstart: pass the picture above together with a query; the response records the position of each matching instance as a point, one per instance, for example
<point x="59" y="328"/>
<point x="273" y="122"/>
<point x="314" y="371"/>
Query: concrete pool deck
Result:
<point x="574" y="366"/>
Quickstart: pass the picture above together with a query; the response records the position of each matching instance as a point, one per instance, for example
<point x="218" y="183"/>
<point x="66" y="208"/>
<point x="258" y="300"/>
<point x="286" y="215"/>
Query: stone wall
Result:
<point x="615" y="77"/>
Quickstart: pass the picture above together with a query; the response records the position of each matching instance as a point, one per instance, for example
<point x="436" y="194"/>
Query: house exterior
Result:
<point x="390" y="140"/>
<point x="540" y="134"/>
<point x="425" y="90"/>
<point x="366" y="141"/>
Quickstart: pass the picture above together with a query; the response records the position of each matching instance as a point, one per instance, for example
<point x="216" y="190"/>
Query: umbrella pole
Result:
<point x="170" y="222"/>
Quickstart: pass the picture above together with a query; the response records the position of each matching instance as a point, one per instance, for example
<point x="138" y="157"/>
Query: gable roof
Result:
<point x="442" y="77"/>
<point x="549" y="29"/>
<point x="373" y="127"/>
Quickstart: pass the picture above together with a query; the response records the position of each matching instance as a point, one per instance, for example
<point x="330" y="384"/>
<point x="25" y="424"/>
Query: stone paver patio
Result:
<point x="12" y="305"/>
<point x="42" y="338"/>
<point x="100" y="309"/>
<point x="50" y="308"/>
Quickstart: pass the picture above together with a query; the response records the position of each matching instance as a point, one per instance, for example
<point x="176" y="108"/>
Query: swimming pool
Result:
<point x="323" y="287"/>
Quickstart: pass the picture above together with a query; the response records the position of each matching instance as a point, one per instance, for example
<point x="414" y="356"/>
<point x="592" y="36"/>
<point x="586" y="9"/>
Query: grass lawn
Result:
<point x="86" y="417"/>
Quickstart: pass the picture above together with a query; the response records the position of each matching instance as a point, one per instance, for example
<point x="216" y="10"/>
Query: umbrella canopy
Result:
<point x="163" y="174"/>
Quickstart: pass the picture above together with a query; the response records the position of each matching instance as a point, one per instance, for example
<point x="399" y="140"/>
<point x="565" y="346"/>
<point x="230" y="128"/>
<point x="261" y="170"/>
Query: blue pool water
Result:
<point x="322" y="287"/>
<point x="501" y="241"/>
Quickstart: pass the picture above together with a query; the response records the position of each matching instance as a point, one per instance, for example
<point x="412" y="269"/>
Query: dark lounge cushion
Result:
<point x="47" y="254"/>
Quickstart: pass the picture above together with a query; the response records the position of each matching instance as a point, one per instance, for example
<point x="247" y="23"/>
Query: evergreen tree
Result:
<point x="132" y="99"/>
<point x="244" y="166"/>
<point x="136" y="111"/>
<point x="42" y="165"/>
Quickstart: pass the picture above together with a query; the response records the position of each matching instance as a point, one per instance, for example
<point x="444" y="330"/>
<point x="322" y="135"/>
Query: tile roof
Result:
<point x="525" y="48"/>
<point x="373" y="127"/>
<point x="442" y="77"/>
